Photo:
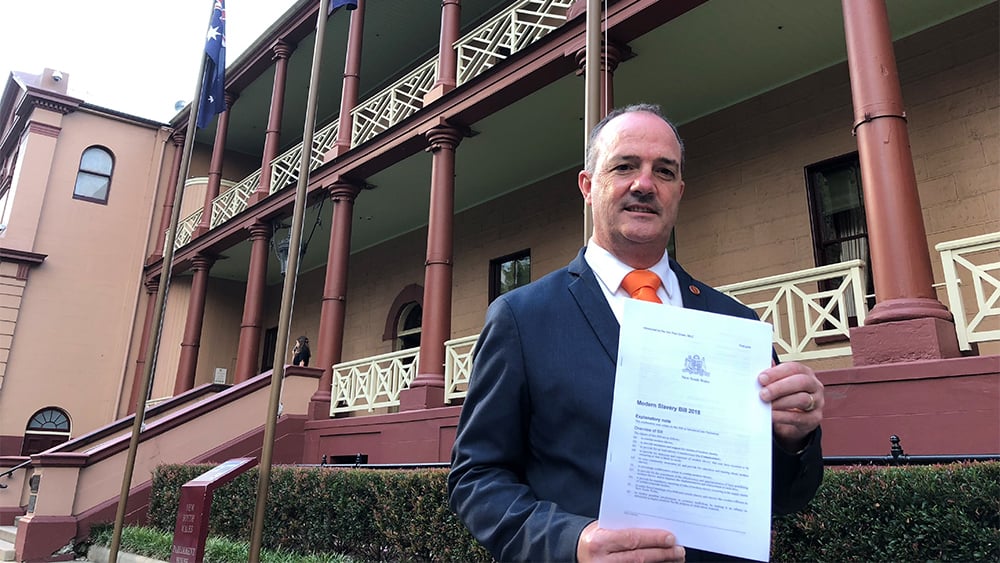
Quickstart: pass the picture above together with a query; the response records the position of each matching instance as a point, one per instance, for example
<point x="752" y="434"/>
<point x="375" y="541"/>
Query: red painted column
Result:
<point x="334" y="305"/>
<point x="908" y="322"/>
<point x="168" y="201"/>
<point x="191" y="341"/>
<point x="272" y="137"/>
<point x="215" y="166"/>
<point x="447" y="79"/>
<point x="427" y="389"/>
<point x="351" y="84"/>
<point x="611" y="55"/>
<point x="152" y="286"/>
<point x="253" y="305"/>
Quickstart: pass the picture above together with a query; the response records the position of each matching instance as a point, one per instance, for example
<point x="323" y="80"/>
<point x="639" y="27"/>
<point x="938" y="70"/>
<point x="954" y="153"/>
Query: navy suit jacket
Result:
<point x="528" y="460"/>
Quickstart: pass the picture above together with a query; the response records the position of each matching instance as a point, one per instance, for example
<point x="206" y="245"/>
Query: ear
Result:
<point x="583" y="180"/>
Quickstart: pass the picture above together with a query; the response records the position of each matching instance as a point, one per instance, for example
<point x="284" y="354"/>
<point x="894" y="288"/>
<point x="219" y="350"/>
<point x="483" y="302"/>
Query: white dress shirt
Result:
<point x="610" y="271"/>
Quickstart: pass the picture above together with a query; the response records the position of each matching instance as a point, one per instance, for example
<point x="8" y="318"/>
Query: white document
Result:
<point x="689" y="449"/>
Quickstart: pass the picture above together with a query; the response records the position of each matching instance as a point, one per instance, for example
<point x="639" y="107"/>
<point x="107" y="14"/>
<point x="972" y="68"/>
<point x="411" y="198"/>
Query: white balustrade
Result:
<point x="186" y="227"/>
<point x="285" y="167"/>
<point x="371" y="383"/>
<point x="508" y="32"/>
<point x="231" y="202"/>
<point x="973" y="262"/>
<point x="394" y="104"/>
<point x="801" y="313"/>
<point x="457" y="366"/>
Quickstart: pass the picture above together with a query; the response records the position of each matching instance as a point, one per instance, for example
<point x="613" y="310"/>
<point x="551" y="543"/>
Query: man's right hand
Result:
<point x="633" y="545"/>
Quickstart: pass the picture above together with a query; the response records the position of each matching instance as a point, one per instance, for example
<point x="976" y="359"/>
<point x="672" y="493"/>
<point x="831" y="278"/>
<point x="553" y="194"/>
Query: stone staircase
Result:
<point x="7" y="535"/>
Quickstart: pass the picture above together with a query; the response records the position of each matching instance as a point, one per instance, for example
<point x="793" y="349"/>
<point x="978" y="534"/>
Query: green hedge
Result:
<point x="374" y="515"/>
<point x="933" y="513"/>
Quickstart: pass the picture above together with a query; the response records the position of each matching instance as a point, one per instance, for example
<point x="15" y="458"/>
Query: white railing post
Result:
<point x="801" y="313"/>
<point x="985" y="285"/>
<point x="458" y="366"/>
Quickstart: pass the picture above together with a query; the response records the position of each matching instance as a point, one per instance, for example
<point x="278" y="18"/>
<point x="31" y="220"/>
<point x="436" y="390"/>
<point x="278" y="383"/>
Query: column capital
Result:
<point x="260" y="230"/>
<point x="231" y="98"/>
<point x="152" y="285"/>
<point x="445" y="137"/>
<point x="612" y="54"/>
<point x="344" y="190"/>
<point x="281" y="50"/>
<point x="177" y="137"/>
<point x="202" y="261"/>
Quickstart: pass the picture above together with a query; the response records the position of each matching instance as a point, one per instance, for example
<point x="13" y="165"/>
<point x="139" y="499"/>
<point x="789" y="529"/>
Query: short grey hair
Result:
<point x="593" y="150"/>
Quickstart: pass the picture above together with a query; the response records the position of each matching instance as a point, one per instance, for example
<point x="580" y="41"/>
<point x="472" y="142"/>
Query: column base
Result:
<point x="421" y="398"/>
<point x="319" y="406"/>
<point x="904" y="341"/>
<point x="437" y="91"/>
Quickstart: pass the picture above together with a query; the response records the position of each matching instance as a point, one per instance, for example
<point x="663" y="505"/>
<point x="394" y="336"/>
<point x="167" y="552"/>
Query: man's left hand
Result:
<point x="796" y="397"/>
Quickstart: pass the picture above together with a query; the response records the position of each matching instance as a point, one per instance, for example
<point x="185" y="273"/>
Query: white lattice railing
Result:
<point x="231" y="202"/>
<point x="978" y="259"/>
<point x="394" y="104"/>
<point x="457" y="366"/>
<point x="375" y="382"/>
<point x="801" y="312"/>
<point x="508" y="32"/>
<point x="285" y="167"/>
<point x="186" y="227"/>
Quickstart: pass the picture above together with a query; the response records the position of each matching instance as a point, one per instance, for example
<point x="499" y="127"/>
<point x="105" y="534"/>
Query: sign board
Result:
<point x="191" y="528"/>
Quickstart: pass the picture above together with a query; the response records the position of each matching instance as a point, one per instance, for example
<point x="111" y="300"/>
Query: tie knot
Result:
<point x="642" y="284"/>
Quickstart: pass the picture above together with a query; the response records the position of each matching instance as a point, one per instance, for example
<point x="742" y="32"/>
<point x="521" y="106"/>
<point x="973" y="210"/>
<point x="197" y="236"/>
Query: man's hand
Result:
<point x="796" y="397"/>
<point x="633" y="545"/>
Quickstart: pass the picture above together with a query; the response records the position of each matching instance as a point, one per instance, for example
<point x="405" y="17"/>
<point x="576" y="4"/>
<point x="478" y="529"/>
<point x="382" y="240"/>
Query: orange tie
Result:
<point x="642" y="284"/>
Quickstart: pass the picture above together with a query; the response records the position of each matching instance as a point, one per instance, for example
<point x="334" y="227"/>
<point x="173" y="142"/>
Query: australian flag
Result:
<point x="349" y="4"/>
<point x="213" y="96"/>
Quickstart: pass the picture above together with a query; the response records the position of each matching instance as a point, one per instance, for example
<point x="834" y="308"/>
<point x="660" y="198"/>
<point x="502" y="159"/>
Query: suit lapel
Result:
<point x="584" y="287"/>
<point x="692" y="293"/>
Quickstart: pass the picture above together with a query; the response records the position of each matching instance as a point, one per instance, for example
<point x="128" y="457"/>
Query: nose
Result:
<point x="643" y="182"/>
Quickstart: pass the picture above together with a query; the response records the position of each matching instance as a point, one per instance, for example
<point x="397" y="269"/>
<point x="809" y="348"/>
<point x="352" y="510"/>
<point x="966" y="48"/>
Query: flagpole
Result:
<point x="157" y="320"/>
<point x="592" y="93"/>
<point x="288" y="289"/>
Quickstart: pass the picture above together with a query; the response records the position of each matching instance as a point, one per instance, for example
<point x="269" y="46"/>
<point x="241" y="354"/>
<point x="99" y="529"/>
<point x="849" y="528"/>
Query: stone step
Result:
<point x="6" y="551"/>
<point x="8" y="533"/>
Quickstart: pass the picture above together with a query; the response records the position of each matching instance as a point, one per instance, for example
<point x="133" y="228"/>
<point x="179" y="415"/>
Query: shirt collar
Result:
<point x="610" y="271"/>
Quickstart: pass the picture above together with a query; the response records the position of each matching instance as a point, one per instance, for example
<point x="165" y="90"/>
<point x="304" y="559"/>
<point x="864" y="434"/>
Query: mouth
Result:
<point x="640" y="208"/>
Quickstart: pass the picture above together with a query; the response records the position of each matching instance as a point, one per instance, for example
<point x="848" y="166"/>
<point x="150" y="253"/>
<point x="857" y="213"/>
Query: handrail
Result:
<point x="783" y="301"/>
<point x="10" y="472"/>
<point x="985" y="284"/>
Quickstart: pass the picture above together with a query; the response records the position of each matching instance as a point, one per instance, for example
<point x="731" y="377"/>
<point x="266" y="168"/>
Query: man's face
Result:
<point x="635" y="187"/>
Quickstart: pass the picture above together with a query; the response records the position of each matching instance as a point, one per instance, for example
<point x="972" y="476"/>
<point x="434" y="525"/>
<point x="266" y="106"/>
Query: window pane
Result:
<point x="96" y="160"/>
<point x="91" y="186"/>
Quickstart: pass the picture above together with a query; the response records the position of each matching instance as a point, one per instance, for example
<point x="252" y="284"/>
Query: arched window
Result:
<point x="408" y="327"/>
<point x="47" y="428"/>
<point x="93" y="181"/>
<point x="402" y="324"/>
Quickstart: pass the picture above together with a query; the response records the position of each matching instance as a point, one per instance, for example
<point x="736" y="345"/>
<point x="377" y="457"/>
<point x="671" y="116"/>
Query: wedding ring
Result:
<point x="812" y="403"/>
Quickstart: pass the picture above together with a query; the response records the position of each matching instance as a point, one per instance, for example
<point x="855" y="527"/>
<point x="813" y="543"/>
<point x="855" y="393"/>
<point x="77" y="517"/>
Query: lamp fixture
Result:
<point x="280" y="245"/>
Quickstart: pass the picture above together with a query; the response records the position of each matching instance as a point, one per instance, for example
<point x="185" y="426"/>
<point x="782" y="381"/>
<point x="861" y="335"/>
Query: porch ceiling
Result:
<point x="712" y="57"/>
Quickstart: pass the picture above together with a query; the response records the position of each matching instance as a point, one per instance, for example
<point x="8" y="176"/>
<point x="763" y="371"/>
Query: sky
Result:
<point x="139" y="57"/>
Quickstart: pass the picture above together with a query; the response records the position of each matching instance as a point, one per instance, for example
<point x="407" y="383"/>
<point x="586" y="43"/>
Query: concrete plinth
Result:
<point x="904" y="341"/>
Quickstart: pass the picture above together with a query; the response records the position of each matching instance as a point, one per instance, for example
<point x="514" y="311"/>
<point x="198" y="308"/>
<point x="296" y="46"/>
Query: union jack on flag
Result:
<point x="213" y="96"/>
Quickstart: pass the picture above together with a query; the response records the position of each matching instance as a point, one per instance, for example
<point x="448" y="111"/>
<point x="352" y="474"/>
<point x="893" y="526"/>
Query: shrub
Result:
<point x="933" y="513"/>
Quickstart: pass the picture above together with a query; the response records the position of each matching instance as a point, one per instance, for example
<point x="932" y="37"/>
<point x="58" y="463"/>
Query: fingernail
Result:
<point x="765" y="395"/>
<point x="762" y="379"/>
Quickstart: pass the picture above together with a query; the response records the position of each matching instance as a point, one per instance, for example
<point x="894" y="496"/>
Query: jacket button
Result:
<point x="694" y="289"/>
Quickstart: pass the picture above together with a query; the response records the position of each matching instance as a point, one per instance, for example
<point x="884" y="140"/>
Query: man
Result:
<point x="528" y="460"/>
